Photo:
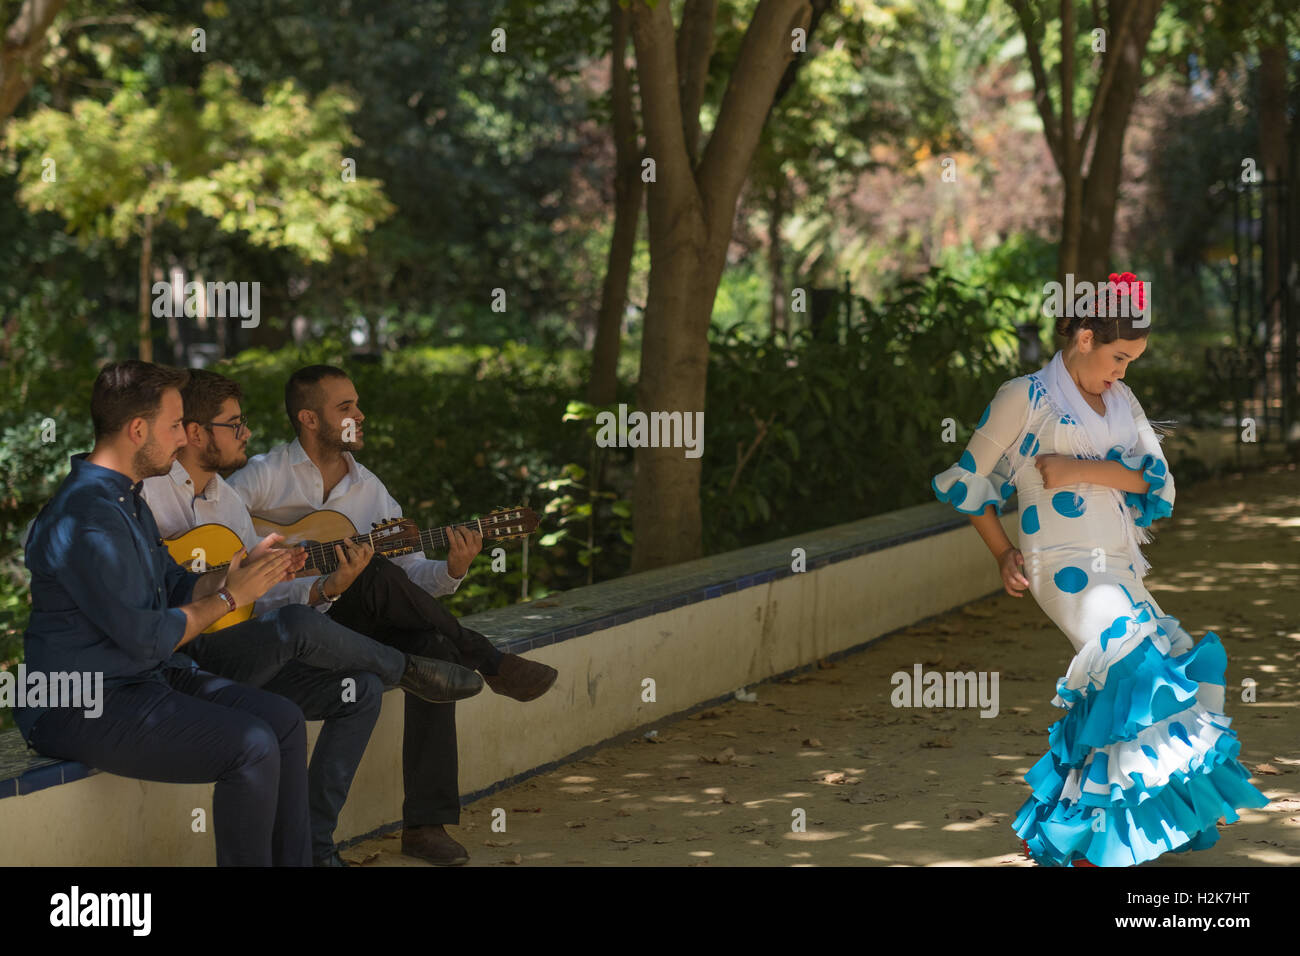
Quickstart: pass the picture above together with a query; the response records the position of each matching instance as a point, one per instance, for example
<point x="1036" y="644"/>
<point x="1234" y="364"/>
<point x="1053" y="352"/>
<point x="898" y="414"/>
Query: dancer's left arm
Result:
<point x="1142" y="473"/>
<point x="1112" y="474"/>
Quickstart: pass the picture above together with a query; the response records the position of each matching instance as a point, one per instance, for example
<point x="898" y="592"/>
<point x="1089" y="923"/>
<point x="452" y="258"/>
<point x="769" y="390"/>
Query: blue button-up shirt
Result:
<point x="106" y="593"/>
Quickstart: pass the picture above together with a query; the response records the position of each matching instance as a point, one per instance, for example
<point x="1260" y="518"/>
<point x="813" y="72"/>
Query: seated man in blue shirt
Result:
<point x="107" y="598"/>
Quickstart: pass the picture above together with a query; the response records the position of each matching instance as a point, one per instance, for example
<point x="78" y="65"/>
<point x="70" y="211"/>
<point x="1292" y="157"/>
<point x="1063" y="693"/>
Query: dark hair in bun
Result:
<point x="1104" y="330"/>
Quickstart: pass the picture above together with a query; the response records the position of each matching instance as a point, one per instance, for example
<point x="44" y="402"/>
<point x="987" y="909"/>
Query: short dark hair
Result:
<point x="205" y="393"/>
<point x="131" y="389"/>
<point x="303" y="391"/>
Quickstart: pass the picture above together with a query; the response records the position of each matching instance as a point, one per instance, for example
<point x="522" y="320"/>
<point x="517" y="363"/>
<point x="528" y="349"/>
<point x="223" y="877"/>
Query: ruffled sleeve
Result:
<point x="1146" y="457"/>
<point x="982" y="476"/>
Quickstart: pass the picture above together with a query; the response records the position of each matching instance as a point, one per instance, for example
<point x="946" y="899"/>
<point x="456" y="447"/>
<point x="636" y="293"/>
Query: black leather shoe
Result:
<point x="332" y="860"/>
<point x="439" y="681"/>
<point x="521" y="678"/>
<point x="434" y="845"/>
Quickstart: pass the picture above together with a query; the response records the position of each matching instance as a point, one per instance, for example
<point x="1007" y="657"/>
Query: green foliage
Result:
<point x="1016" y="268"/>
<point x="848" y="421"/>
<point x="591" y="519"/>
<point x="270" y="170"/>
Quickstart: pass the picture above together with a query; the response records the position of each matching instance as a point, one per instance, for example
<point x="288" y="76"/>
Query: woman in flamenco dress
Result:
<point x="1143" y="761"/>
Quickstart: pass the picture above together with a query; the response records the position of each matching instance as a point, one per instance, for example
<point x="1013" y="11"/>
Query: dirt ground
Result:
<point x="881" y="786"/>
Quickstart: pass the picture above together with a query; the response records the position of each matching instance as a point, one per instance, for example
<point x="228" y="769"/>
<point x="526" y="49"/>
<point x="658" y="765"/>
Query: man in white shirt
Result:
<point x="333" y="673"/>
<point x="391" y="601"/>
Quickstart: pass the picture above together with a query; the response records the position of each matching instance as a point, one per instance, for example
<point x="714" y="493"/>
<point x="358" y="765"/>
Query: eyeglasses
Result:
<point x="241" y="425"/>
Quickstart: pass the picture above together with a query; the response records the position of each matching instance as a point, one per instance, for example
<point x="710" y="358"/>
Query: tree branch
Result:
<point x="1120" y="41"/>
<point x="1042" y="96"/>
<point x="819" y="8"/>
<point x="661" y="108"/>
<point x="21" y="50"/>
<point x="1069" y="145"/>
<point x="743" y="455"/>
<point x="695" y="40"/>
<point x="764" y="53"/>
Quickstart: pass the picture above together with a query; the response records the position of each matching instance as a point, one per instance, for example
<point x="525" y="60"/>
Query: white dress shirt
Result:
<point x="284" y="485"/>
<point x="178" y="508"/>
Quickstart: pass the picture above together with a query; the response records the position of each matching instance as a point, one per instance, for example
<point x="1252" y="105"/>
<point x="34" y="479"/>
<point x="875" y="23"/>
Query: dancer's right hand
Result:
<point x="1011" y="565"/>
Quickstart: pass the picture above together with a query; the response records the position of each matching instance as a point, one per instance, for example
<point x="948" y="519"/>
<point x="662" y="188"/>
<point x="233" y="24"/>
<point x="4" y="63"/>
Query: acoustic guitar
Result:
<point x="210" y="547"/>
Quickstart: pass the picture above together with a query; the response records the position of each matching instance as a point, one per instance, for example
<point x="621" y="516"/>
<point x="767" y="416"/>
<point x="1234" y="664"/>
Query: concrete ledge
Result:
<point x="699" y="631"/>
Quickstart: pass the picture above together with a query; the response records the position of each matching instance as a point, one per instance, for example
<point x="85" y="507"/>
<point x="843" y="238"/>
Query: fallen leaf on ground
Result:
<point x="1268" y="768"/>
<point x="727" y="756"/>
<point x="811" y="742"/>
<point x="938" y="742"/>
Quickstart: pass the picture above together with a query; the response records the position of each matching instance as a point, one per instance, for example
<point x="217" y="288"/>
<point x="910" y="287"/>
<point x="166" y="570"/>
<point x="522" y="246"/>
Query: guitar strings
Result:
<point x="322" y="558"/>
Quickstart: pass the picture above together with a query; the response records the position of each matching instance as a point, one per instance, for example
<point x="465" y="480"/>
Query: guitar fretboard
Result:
<point x="321" y="557"/>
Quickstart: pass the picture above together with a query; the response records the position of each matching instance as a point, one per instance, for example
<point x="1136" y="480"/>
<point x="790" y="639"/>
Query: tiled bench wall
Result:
<point x="702" y="629"/>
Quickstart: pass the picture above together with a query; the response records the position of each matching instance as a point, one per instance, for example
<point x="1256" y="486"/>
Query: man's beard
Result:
<point x="147" y="461"/>
<point x="333" y="441"/>
<point x="211" y="459"/>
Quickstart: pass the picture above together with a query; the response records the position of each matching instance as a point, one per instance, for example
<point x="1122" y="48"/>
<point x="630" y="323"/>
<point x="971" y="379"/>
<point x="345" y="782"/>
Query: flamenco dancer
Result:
<point x="1143" y="761"/>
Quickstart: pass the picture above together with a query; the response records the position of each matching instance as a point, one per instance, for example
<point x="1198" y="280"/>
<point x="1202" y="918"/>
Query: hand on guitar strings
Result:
<point x="352" y="558"/>
<point x="463" y="544"/>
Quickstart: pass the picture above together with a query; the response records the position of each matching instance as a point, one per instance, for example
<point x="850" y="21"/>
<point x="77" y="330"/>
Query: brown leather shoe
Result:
<point x="433" y="844"/>
<point x="521" y="678"/>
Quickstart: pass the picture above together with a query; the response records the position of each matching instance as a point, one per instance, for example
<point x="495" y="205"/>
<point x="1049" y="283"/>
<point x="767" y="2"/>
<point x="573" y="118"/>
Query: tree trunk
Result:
<point x="1105" y="171"/>
<point x="691" y="209"/>
<point x="603" y="385"/>
<point x="21" y="48"/>
<point x="1071" y="154"/>
<point x="146" y="269"/>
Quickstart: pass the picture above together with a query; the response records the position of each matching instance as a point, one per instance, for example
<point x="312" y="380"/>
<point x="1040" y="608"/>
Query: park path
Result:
<point x="881" y="786"/>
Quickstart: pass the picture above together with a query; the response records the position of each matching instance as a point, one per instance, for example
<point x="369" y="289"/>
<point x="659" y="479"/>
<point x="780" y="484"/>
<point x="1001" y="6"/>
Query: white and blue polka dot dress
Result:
<point x="1143" y="762"/>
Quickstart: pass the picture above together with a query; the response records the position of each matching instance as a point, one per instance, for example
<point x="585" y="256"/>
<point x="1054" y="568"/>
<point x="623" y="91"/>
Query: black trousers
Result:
<point x="190" y="726"/>
<point x="384" y="604"/>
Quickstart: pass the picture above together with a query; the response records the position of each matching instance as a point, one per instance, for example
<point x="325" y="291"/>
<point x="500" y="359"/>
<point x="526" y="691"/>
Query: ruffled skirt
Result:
<point x="1143" y="762"/>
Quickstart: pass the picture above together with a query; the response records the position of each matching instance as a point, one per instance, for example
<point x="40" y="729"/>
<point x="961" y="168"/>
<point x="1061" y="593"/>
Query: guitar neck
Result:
<point x="438" y="537"/>
<point x="322" y="557"/>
